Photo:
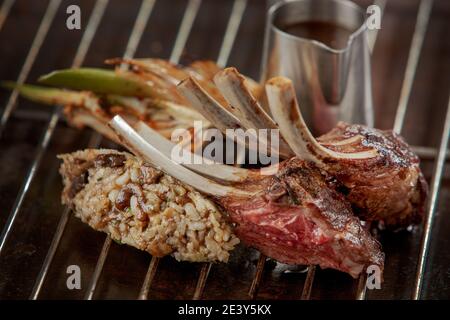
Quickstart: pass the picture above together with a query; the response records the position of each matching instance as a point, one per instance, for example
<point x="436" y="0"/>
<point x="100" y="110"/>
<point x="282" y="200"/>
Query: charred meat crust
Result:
<point x="300" y="219"/>
<point x="389" y="187"/>
<point x="302" y="177"/>
<point x="393" y="150"/>
<point x="307" y="184"/>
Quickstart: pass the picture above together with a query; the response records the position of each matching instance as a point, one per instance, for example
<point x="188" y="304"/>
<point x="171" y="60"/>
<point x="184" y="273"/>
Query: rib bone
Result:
<point x="205" y="167"/>
<point x="233" y="87"/>
<point x="129" y="137"/>
<point x="285" y="110"/>
<point x="355" y="139"/>
<point x="212" y="110"/>
<point x="208" y="106"/>
<point x="220" y="117"/>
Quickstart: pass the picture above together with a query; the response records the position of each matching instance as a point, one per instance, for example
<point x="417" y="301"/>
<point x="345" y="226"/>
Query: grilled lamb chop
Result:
<point x="135" y="204"/>
<point x="376" y="170"/>
<point x="379" y="173"/>
<point x="299" y="219"/>
<point x="294" y="216"/>
<point x="389" y="187"/>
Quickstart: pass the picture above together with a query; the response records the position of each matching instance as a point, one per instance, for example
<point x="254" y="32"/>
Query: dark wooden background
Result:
<point x="125" y="267"/>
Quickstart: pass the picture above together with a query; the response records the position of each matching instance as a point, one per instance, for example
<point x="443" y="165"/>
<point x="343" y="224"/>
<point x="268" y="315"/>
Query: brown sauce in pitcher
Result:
<point x="333" y="35"/>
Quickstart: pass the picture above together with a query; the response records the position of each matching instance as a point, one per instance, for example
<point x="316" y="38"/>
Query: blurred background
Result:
<point x="28" y="165"/>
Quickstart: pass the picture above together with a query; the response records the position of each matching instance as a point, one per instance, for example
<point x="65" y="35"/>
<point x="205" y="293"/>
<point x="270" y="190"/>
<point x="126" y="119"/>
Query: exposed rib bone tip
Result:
<point x="141" y="148"/>
<point x="201" y="165"/>
<point x="279" y="82"/>
<point x="286" y="111"/>
<point x="230" y="70"/>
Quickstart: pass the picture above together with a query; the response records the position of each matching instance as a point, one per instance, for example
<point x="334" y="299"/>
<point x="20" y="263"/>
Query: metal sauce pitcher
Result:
<point x="331" y="84"/>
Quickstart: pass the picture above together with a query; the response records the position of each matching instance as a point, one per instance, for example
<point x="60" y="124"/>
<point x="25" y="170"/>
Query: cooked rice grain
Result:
<point x="144" y="208"/>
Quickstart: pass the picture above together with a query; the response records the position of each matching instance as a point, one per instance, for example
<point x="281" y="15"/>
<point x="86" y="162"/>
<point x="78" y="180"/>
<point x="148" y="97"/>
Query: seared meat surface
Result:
<point x="389" y="187"/>
<point x="378" y="172"/>
<point x="300" y="219"/>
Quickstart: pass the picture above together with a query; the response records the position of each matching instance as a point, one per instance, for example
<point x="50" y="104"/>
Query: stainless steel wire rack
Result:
<point x="40" y="238"/>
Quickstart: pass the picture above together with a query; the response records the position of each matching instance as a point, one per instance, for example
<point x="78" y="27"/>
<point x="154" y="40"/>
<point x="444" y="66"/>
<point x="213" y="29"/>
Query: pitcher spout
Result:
<point x="322" y="46"/>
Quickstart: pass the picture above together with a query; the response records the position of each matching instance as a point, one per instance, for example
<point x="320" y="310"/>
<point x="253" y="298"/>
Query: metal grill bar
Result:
<point x="201" y="281"/>
<point x="203" y="276"/>
<point x="139" y="28"/>
<point x="91" y="28"/>
<point x="50" y="254"/>
<point x="180" y="42"/>
<point x="151" y="272"/>
<point x="428" y="152"/>
<point x="258" y="275"/>
<point x="29" y="61"/>
<point x="225" y="50"/>
<point x="423" y="16"/>
<point x="145" y="11"/>
<point x="185" y="30"/>
<point x="141" y="22"/>
<point x="232" y="28"/>
<point x="424" y="152"/>
<point x="416" y="46"/>
<point x="431" y="208"/>
<point x="25" y="187"/>
<point x="307" y="288"/>
<point x="98" y="269"/>
<point x="32" y="114"/>
<point x="362" y="287"/>
<point x="37" y="43"/>
<point x="374" y="34"/>
<point x="230" y="34"/>
<point x="4" y="11"/>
